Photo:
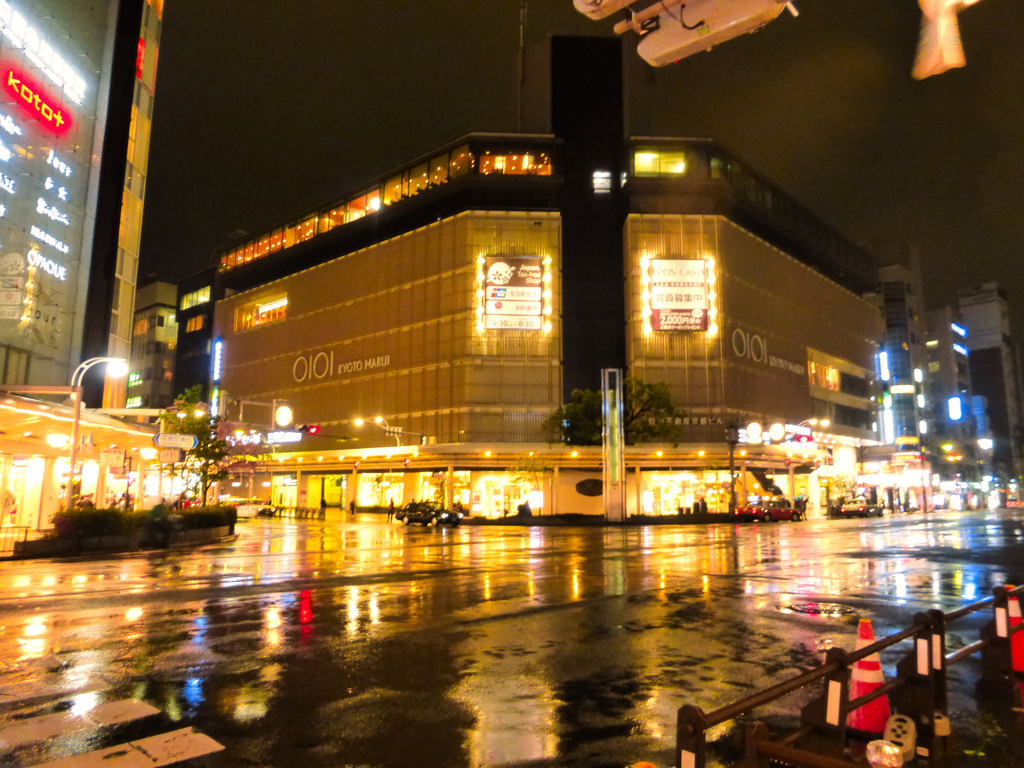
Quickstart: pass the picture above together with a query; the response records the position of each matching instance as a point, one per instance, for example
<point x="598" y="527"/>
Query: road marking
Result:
<point x="31" y="692"/>
<point x="153" y="752"/>
<point x="65" y="723"/>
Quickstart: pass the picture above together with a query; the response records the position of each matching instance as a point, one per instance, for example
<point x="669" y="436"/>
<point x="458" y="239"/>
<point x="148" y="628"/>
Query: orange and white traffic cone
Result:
<point x="867" y="677"/>
<point x="1016" y="644"/>
<point x="1016" y="639"/>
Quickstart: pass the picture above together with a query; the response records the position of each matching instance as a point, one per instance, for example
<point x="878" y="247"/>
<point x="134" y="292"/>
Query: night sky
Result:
<point x="267" y="109"/>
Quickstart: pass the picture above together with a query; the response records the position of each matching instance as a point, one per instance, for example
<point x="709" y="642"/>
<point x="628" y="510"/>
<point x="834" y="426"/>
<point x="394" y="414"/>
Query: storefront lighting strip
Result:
<point x="710" y="279"/>
<point x="68" y="420"/>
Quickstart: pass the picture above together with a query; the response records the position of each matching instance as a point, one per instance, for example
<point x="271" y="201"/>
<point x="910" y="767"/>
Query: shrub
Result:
<point x="210" y="516"/>
<point x="81" y="522"/>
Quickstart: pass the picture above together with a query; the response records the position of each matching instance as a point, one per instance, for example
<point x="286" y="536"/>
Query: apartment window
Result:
<point x="195" y="323"/>
<point x="160" y="321"/>
<point x="195" y="298"/>
<point x="259" y="313"/>
<point x="141" y="326"/>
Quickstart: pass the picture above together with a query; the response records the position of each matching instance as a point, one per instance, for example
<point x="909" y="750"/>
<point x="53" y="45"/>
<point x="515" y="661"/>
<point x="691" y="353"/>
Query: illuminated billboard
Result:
<point x="51" y="56"/>
<point x="678" y="295"/>
<point x="513" y="293"/>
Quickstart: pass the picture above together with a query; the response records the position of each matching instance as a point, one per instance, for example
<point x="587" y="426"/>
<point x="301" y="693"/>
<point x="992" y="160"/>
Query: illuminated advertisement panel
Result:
<point x="678" y="295"/>
<point x="513" y="293"/>
<point x="50" y="62"/>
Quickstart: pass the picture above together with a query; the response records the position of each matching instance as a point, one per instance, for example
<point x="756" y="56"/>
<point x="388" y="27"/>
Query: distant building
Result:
<point x="995" y="371"/>
<point x="150" y="381"/>
<point x="197" y="296"/>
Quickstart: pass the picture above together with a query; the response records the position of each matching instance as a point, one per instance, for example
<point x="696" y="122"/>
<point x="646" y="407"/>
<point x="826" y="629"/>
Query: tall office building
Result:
<point x="995" y="371"/>
<point x="66" y="75"/>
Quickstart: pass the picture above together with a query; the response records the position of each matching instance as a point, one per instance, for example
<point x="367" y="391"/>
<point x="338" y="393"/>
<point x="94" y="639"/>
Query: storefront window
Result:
<point x="461" y="162"/>
<point x="418" y="179"/>
<point x="392" y="190"/>
<point x="515" y="164"/>
<point x="824" y="376"/>
<point x="261" y="313"/>
<point x="439" y="169"/>
<point x="379" y="489"/>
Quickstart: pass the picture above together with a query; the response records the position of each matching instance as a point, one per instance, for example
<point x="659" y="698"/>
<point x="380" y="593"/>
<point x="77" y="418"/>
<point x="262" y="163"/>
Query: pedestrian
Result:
<point x="352" y="506"/>
<point x="391" y="510"/>
<point x="702" y="505"/>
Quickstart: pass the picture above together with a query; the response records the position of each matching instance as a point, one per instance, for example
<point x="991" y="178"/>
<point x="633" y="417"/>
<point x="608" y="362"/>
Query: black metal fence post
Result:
<point x="996" y="686"/>
<point x="827" y="713"/>
<point x="922" y="696"/>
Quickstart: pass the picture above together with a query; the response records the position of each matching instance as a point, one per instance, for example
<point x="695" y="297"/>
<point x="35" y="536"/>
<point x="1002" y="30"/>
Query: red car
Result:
<point x="770" y="511"/>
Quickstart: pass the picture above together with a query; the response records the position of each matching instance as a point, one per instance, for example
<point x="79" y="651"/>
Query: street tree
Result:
<point x="649" y="415"/>
<point x="189" y="415"/>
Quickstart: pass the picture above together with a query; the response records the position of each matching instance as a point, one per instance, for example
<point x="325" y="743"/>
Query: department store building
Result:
<point x="462" y="297"/>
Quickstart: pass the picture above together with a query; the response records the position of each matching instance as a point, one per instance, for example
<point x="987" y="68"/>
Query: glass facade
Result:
<point x="52" y="75"/>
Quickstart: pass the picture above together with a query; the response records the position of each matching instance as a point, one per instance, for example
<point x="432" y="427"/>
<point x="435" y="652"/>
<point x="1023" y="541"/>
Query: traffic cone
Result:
<point x="1016" y="640"/>
<point x="867" y="677"/>
<point x="1016" y="645"/>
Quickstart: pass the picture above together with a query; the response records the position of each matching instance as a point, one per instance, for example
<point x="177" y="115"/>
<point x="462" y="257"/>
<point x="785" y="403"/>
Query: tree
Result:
<point x="648" y="416"/>
<point x="190" y="416"/>
<point x="578" y="422"/>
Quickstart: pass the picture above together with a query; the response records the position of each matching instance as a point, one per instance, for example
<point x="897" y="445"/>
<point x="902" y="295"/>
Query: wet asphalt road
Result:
<point x="358" y="643"/>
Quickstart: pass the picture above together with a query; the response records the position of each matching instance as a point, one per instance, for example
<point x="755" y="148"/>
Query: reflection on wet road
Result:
<point x="360" y="643"/>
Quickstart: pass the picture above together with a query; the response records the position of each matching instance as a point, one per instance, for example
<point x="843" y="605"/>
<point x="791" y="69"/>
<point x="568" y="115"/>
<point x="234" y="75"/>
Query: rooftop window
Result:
<point x="425" y="175"/>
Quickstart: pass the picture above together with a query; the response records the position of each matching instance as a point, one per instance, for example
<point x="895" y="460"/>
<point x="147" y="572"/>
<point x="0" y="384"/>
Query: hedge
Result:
<point x="82" y="522"/>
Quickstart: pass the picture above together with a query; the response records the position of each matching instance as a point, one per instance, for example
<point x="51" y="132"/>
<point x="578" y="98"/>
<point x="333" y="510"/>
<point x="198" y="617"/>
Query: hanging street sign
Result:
<point x="172" y="440"/>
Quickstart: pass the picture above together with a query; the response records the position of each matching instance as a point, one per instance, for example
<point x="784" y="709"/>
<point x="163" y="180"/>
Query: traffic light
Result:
<point x="309" y="429"/>
<point x="282" y="413"/>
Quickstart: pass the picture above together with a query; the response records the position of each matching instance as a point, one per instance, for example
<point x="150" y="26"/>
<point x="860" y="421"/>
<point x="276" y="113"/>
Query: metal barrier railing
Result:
<point x="305" y="513"/>
<point x="918" y="691"/>
<point x="11" y="535"/>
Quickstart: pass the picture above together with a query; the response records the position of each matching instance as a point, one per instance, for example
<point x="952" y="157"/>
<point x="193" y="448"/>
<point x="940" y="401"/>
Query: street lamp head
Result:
<point x="117" y="368"/>
<point x="358" y="421"/>
<point x="378" y="419"/>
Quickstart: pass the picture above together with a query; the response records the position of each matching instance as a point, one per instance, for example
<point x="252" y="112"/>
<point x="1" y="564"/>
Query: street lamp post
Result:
<point x="116" y="368"/>
<point x="732" y="437"/>
<point x="382" y="423"/>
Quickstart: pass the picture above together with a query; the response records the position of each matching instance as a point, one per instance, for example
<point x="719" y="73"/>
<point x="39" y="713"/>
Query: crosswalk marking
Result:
<point x="19" y="694"/>
<point x="153" y="752"/>
<point x="65" y="723"/>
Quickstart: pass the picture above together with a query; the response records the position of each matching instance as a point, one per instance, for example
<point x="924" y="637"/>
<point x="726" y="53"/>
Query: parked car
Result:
<point x="250" y="507"/>
<point x="427" y="513"/>
<point x="858" y="507"/>
<point x="780" y="508"/>
<point x="769" y="510"/>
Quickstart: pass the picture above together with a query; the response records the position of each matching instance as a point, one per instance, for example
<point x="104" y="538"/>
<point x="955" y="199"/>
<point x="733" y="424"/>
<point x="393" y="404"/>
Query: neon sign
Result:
<point x="49" y="239"/>
<point x="35" y="102"/>
<point x="16" y="28"/>
<point x="49" y="266"/>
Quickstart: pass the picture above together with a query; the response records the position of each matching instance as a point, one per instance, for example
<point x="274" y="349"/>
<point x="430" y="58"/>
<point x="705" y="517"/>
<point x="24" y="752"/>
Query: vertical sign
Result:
<point x="679" y="295"/>
<point x="612" y="444"/>
<point x="513" y="293"/>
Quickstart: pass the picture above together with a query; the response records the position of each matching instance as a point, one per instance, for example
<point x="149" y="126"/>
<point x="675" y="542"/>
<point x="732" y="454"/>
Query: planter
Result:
<point x="63" y="547"/>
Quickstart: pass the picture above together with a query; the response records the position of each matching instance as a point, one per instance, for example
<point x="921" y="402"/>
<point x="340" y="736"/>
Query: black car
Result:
<point x="427" y="513"/>
<point x="858" y="507"/>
